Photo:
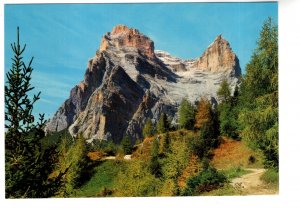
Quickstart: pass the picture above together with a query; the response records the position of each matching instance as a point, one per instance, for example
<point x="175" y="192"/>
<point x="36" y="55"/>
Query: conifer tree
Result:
<point x="165" y="144"/>
<point x="259" y="96"/>
<point x="163" y="124"/>
<point x="27" y="163"/>
<point x="155" y="167"/>
<point x="224" y="93"/>
<point x="126" y="145"/>
<point x="148" y="129"/>
<point x="228" y="110"/>
<point x="186" y="113"/>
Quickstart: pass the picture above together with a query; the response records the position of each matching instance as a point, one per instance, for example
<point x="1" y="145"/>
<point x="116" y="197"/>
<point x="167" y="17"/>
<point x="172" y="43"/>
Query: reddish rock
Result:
<point x="122" y="37"/>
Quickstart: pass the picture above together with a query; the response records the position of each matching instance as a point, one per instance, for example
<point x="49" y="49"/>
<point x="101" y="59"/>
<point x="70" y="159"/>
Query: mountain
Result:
<point x="128" y="81"/>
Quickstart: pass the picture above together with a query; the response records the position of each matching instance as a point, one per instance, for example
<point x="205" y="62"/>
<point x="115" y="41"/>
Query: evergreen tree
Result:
<point x="72" y="164"/>
<point x="229" y="125"/>
<point x="126" y="145"/>
<point x="228" y="112"/>
<point x="259" y="96"/>
<point x="224" y="93"/>
<point x="163" y="124"/>
<point x="28" y="162"/>
<point x="78" y="164"/>
<point x="186" y="113"/>
<point x="148" y="129"/>
<point x="206" y="140"/>
<point x="155" y="167"/>
<point x="234" y="99"/>
<point x="165" y="144"/>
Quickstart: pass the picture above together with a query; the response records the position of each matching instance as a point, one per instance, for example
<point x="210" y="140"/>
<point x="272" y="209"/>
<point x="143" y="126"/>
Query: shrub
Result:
<point x="251" y="159"/>
<point x="136" y="180"/>
<point x="205" y="181"/>
<point x="271" y="176"/>
<point x="235" y="172"/>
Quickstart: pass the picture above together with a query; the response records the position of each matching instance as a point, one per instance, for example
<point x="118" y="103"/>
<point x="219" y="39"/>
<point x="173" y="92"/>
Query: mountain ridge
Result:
<point x="128" y="81"/>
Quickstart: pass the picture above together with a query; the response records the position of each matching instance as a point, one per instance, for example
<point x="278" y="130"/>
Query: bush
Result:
<point x="136" y="181"/>
<point x="107" y="147"/>
<point x="271" y="176"/>
<point x="205" y="181"/>
<point x="251" y="159"/>
<point x="235" y="172"/>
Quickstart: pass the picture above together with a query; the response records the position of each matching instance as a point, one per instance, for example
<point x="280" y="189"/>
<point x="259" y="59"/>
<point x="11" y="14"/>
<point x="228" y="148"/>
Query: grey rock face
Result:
<point x="126" y="83"/>
<point x="79" y="96"/>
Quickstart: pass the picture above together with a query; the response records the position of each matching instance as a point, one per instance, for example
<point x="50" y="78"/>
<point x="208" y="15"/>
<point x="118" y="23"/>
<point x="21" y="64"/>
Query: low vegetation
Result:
<point x="271" y="179"/>
<point x="206" y="180"/>
<point x="233" y="154"/>
<point x="102" y="183"/>
<point x="235" y="172"/>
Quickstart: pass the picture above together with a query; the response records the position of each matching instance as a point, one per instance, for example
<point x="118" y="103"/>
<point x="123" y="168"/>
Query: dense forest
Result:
<point x="170" y="160"/>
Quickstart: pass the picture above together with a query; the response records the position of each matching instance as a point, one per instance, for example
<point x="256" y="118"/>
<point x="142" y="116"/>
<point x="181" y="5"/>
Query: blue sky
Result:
<point x="62" y="37"/>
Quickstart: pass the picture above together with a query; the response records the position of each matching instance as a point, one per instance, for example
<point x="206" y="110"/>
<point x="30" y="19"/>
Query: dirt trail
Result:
<point x="250" y="184"/>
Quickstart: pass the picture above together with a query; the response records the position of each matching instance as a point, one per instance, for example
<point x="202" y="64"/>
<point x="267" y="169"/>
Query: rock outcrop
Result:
<point x="79" y="95"/>
<point x="123" y="37"/>
<point x="127" y="82"/>
<point x="219" y="57"/>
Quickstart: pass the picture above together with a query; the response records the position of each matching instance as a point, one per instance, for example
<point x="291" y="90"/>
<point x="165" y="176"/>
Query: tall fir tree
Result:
<point x="228" y="110"/>
<point x="148" y="129"/>
<point x="163" y="124"/>
<point x="126" y="145"/>
<point x="154" y="165"/>
<point x="165" y="144"/>
<point x="27" y="162"/>
<point x="259" y="96"/>
<point x="224" y="92"/>
<point x="186" y="114"/>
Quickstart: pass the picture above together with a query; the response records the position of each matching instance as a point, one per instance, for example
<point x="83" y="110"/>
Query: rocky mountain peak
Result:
<point x="126" y="83"/>
<point x="123" y="37"/>
<point x="123" y="29"/>
<point x="219" y="57"/>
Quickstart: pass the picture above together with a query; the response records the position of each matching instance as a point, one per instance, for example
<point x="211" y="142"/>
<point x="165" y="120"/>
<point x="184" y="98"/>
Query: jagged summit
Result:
<point x="219" y="57"/>
<point x="122" y="37"/>
<point x="127" y="82"/>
